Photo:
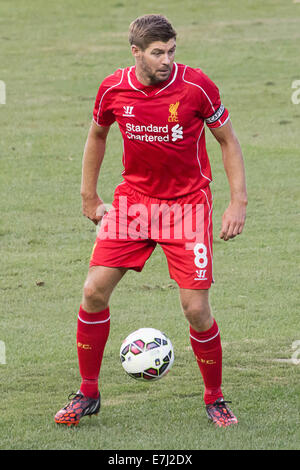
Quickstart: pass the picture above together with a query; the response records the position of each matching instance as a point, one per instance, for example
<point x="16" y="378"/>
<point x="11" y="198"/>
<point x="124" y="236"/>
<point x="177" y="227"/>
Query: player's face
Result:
<point x="154" y="64"/>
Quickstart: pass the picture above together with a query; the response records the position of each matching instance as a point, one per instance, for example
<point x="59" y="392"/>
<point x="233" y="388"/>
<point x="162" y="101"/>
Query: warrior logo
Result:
<point x="128" y="111"/>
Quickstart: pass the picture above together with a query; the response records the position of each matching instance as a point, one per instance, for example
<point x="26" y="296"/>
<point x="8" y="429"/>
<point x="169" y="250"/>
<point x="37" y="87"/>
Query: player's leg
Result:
<point x="205" y="340"/>
<point x="196" y="307"/>
<point x="94" y="318"/>
<point x="94" y="323"/>
<point x="98" y="287"/>
<point x="190" y="265"/>
<point x="93" y="326"/>
<point x="206" y="344"/>
<point x="113" y="254"/>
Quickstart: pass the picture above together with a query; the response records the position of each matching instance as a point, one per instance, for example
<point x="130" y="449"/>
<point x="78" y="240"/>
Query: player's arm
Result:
<point x="234" y="217"/>
<point x="94" y="150"/>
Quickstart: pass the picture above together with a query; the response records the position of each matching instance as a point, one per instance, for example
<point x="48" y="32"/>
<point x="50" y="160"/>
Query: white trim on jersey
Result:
<point x="209" y="216"/>
<point x="195" y="84"/>
<point x="162" y="89"/>
<point x="175" y="75"/>
<point x="124" y="156"/>
<point x="99" y="125"/>
<point x="130" y="82"/>
<point x="198" y="140"/>
<point x="223" y="123"/>
<point x="113" y="86"/>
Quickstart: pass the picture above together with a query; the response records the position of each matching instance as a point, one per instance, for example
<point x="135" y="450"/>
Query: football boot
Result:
<point x="220" y="414"/>
<point x="78" y="407"/>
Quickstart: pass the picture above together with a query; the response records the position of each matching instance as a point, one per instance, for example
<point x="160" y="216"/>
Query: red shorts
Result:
<point x="136" y="222"/>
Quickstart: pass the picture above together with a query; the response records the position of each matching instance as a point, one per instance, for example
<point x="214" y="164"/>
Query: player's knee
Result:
<point x="197" y="313"/>
<point x="94" y="295"/>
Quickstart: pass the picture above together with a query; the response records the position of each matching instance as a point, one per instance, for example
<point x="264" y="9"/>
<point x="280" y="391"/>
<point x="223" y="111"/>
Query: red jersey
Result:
<point x="162" y="127"/>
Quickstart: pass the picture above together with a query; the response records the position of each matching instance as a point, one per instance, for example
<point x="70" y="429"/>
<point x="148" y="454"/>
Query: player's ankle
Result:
<point x="212" y="394"/>
<point x="89" y="388"/>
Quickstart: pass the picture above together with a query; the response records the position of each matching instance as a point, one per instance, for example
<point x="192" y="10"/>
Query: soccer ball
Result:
<point x="147" y="354"/>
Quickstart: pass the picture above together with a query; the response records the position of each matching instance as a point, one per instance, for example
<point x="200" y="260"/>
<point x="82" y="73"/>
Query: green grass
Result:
<point x="53" y="56"/>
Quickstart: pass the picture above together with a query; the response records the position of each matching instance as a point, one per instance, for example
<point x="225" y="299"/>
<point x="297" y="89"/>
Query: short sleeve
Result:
<point x="103" y="110"/>
<point x="212" y="110"/>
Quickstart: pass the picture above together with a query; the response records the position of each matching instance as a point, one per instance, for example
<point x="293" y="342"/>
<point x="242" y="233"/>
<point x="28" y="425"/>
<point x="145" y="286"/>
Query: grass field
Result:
<point x="53" y="56"/>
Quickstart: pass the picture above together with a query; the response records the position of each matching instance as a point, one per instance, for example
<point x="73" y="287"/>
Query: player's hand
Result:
<point x="233" y="220"/>
<point x="93" y="208"/>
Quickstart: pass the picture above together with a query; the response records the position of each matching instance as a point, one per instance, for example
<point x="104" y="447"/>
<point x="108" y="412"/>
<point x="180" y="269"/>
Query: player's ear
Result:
<point x="135" y="50"/>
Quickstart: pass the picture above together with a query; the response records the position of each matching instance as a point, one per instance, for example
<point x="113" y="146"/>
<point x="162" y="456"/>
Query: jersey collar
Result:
<point x="154" y="89"/>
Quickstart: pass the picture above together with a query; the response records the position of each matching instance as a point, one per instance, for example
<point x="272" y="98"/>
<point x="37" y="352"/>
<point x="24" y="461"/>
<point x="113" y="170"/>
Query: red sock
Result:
<point x="208" y="351"/>
<point x="92" y="334"/>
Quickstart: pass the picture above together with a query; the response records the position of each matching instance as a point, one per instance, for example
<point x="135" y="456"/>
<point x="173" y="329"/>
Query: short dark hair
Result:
<point x="149" y="28"/>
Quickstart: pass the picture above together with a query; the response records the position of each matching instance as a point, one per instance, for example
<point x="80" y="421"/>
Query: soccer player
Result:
<point x="161" y="108"/>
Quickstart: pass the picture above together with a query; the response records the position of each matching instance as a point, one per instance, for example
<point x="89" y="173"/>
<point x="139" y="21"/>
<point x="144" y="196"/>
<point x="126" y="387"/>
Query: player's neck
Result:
<point x="146" y="79"/>
<point x="143" y="78"/>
